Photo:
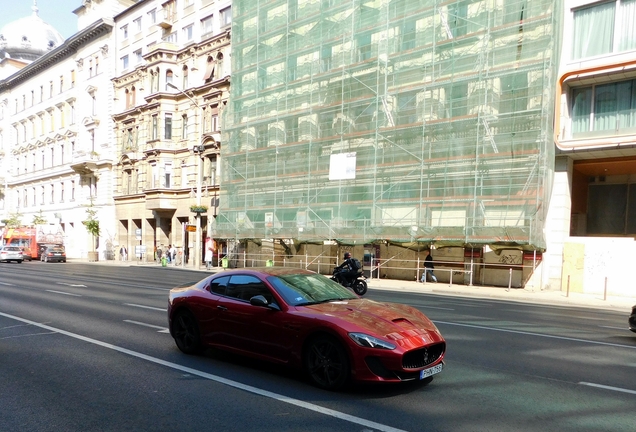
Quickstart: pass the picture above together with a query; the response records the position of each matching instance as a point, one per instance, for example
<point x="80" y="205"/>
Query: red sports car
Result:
<point x="303" y="319"/>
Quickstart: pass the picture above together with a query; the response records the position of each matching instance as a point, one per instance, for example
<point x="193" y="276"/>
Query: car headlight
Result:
<point x="368" y="341"/>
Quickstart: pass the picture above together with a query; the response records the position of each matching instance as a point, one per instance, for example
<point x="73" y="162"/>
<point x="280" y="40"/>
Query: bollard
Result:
<point x="567" y="293"/>
<point x="605" y="291"/>
<point x="509" y="280"/>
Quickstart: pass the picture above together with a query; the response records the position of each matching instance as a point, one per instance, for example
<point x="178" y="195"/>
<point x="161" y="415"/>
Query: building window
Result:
<point x="604" y="28"/>
<point x="153" y="16"/>
<point x="137" y="24"/>
<point x="184" y="128"/>
<point x="206" y="25"/>
<point x="138" y="57"/>
<point x="155" y="127"/>
<point x="124" y="31"/>
<point x="168" y="126"/>
<point x="604" y="109"/>
<point x="226" y="16"/>
<point x="172" y="38"/>
<point x="209" y="70"/>
<point x="169" y="79"/>
<point x="124" y="62"/>
<point x="187" y="33"/>
<point x="184" y="81"/>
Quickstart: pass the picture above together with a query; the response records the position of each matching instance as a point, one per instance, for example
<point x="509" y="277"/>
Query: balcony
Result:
<point x="167" y="19"/>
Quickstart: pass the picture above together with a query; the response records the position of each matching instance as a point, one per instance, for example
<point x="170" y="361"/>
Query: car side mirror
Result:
<point x="260" y="300"/>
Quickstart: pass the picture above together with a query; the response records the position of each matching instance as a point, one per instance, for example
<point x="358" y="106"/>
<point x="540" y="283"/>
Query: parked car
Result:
<point x="632" y="319"/>
<point x="26" y="253"/>
<point x="53" y="253"/>
<point x="11" y="253"/>
<point x="302" y="319"/>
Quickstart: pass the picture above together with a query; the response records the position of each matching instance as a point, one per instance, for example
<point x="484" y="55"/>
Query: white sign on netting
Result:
<point x="342" y="166"/>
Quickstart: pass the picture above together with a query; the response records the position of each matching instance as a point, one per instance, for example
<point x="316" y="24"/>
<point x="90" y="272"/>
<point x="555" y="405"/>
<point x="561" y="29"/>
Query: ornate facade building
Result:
<point x="171" y="85"/>
<point x="56" y="135"/>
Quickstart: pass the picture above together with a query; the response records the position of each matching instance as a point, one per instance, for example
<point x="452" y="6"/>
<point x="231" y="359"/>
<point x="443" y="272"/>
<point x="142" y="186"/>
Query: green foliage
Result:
<point x="198" y="209"/>
<point x="39" y="219"/>
<point x="14" y="221"/>
<point x="91" y="223"/>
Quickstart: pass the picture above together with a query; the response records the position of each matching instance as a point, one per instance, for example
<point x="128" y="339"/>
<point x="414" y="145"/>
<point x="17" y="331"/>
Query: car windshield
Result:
<point x="306" y="289"/>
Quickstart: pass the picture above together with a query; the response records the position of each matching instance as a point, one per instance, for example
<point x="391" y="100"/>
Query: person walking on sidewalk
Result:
<point x="428" y="267"/>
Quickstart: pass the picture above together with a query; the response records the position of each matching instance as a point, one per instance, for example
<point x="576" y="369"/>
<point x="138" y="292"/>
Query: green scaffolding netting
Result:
<point x="396" y="120"/>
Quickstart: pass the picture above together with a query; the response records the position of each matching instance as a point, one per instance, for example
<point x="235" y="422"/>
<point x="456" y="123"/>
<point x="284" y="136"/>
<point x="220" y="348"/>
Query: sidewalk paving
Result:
<point x="618" y="303"/>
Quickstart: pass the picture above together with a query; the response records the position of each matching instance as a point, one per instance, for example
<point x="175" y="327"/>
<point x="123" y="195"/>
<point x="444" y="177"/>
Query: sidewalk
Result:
<point x="623" y="304"/>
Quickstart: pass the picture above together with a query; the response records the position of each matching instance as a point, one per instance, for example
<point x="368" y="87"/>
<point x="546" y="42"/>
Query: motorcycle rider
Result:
<point x="349" y="271"/>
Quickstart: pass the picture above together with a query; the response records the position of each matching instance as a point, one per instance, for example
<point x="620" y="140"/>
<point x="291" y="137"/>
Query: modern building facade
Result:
<point x="55" y="128"/>
<point x="171" y="85"/>
<point x="593" y="211"/>
<point x="391" y="122"/>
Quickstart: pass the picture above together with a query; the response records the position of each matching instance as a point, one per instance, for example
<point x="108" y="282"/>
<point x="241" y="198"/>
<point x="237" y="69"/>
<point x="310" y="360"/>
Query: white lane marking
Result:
<point x="618" y="389"/>
<point x="536" y="334"/>
<point x="65" y="293"/>
<point x="285" y="399"/>
<point x="71" y="285"/>
<point x="7" y="284"/>
<point x="615" y="328"/>
<point x="162" y="329"/>
<point x="145" y="307"/>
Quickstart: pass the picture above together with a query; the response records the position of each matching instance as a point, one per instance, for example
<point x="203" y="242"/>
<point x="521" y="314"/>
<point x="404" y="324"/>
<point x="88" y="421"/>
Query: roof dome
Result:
<point x="28" y="38"/>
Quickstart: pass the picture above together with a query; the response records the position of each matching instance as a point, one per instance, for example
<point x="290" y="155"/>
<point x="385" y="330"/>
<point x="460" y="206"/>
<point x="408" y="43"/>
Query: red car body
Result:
<point x="371" y="341"/>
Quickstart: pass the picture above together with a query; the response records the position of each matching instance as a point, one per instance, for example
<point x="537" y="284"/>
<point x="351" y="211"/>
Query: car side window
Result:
<point x="219" y="285"/>
<point x="244" y="287"/>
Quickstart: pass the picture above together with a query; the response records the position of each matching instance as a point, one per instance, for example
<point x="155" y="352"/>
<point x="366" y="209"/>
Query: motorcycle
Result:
<point x="358" y="285"/>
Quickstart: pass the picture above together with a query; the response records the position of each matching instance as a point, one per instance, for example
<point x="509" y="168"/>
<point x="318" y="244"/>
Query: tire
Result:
<point x="360" y="287"/>
<point x="185" y="332"/>
<point x="326" y="363"/>
<point x="19" y="261"/>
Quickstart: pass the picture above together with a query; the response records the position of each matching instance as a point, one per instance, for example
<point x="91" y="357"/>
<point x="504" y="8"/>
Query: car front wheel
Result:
<point x="185" y="332"/>
<point x="326" y="363"/>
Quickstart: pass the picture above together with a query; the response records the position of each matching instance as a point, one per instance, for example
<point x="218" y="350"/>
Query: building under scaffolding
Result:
<point x="408" y="121"/>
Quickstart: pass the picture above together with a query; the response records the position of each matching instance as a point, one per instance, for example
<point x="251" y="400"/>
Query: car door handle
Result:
<point x="223" y="308"/>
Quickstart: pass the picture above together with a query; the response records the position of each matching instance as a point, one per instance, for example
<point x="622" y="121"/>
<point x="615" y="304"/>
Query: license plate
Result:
<point x="431" y="371"/>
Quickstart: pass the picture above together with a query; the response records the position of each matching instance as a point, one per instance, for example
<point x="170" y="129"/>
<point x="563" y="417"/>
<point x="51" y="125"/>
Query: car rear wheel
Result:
<point x="326" y="363"/>
<point x="185" y="332"/>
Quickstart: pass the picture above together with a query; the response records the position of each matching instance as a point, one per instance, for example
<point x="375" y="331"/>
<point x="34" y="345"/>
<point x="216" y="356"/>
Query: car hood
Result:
<point x="402" y="324"/>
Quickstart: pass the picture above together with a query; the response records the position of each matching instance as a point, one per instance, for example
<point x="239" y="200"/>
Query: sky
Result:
<point x="58" y="13"/>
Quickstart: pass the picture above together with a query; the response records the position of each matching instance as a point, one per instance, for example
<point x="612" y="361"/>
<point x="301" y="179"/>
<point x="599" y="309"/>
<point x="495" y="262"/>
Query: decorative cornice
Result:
<point x="68" y="49"/>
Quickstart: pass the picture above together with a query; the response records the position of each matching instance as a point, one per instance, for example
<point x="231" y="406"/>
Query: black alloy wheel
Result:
<point x="186" y="333"/>
<point x="360" y="287"/>
<point x="327" y="363"/>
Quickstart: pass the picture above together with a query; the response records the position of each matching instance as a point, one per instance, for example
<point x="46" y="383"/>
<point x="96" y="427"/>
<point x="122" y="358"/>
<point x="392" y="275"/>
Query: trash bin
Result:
<point x="269" y="263"/>
<point x="224" y="262"/>
<point x="164" y="262"/>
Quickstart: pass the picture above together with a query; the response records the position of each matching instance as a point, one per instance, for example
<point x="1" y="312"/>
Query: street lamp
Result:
<point x="197" y="150"/>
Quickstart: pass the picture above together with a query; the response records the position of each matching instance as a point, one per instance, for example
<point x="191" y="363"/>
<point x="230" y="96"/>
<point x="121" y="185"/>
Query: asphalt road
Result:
<point x="86" y="348"/>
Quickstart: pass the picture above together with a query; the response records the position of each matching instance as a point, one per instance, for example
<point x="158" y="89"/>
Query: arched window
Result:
<point x="169" y="78"/>
<point x="184" y="83"/>
<point x="209" y="70"/>
<point x="133" y="94"/>
<point x="219" y="65"/>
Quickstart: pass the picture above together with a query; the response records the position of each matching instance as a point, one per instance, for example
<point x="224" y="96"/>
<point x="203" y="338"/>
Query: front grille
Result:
<point x="423" y="357"/>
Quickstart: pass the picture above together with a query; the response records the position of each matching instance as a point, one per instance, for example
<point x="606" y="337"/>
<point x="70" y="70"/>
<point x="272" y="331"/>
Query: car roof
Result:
<point x="266" y="271"/>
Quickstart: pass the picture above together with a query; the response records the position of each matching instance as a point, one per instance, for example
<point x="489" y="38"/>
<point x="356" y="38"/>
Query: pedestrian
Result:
<point x="159" y="253"/>
<point x="169" y="253"/>
<point x="123" y="253"/>
<point x="428" y="267"/>
<point x="209" y="252"/>
<point x="172" y="252"/>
